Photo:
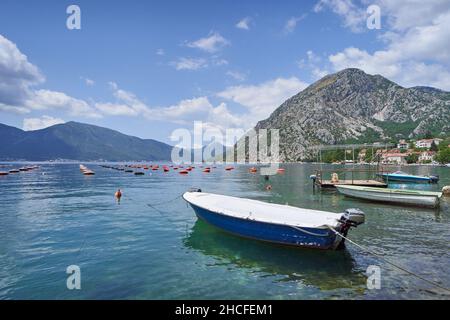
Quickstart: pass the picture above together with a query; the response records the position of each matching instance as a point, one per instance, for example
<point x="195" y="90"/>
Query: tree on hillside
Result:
<point x="443" y="156"/>
<point x="412" y="158"/>
<point x="428" y="135"/>
<point x="434" y="147"/>
<point x="369" y="155"/>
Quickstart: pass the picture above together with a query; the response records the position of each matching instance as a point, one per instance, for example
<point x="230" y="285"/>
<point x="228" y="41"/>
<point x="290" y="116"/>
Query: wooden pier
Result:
<point x="366" y="177"/>
<point x="354" y="176"/>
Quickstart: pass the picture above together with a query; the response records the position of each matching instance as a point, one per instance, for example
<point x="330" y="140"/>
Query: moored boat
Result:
<point x="406" y="177"/>
<point x="396" y="196"/>
<point x="4" y="173"/>
<point x="275" y="223"/>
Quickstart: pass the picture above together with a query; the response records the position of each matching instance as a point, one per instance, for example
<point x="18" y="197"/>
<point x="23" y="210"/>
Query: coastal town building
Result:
<point x="426" y="143"/>
<point x="427" y="156"/>
<point x="394" y="157"/>
<point x="402" y="144"/>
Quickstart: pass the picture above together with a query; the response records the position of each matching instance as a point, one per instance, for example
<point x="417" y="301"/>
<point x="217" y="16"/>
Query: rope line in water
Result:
<point x="164" y="202"/>
<point x="389" y="262"/>
<point x="164" y="213"/>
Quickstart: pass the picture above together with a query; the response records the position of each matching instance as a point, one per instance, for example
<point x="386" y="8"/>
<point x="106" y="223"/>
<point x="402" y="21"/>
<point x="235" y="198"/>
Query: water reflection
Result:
<point x="324" y="269"/>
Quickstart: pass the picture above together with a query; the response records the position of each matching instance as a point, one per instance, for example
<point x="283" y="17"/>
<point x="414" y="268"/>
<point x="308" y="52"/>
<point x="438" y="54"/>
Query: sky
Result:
<point x="147" y="68"/>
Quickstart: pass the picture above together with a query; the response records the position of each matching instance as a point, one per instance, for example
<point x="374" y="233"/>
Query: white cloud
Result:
<point x="189" y="63"/>
<point x="314" y="64"/>
<point x="127" y="104"/>
<point x="47" y="99"/>
<point x="244" y="24"/>
<point x="291" y="24"/>
<point x="40" y="123"/>
<point x="115" y="109"/>
<point x="261" y="100"/>
<point x="353" y="15"/>
<point x="13" y="109"/>
<point x="18" y="78"/>
<point x="160" y="52"/>
<point x="17" y="75"/>
<point x="89" y="82"/>
<point x="217" y="61"/>
<point x="184" y="112"/>
<point x="416" y="56"/>
<point x="406" y="14"/>
<point x="212" y="43"/>
<point x="236" y="75"/>
<point x="416" y="45"/>
<point x="188" y="109"/>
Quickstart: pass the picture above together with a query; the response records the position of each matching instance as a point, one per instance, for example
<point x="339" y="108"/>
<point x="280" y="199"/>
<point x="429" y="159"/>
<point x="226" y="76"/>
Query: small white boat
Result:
<point x="275" y="223"/>
<point x="398" y="196"/>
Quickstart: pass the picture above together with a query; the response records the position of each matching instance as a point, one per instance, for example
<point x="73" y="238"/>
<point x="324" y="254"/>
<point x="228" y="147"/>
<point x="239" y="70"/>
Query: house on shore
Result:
<point x="426" y="143"/>
<point x="427" y="156"/>
<point x="403" y="145"/>
<point x="394" y="157"/>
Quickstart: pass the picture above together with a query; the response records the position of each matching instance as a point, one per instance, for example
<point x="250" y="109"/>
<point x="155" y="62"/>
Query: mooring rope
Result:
<point x="161" y="212"/>
<point x="164" y="202"/>
<point x="390" y="262"/>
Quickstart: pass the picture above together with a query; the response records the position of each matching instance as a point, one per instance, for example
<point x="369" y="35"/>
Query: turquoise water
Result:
<point x="55" y="217"/>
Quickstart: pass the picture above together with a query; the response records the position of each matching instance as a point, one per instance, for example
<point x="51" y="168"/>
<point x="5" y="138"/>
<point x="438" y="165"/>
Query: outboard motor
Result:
<point x="434" y="179"/>
<point x="353" y="217"/>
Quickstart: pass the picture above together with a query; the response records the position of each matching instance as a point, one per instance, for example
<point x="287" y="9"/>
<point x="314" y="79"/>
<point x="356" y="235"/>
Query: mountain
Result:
<point x="351" y="106"/>
<point x="78" y="141"/>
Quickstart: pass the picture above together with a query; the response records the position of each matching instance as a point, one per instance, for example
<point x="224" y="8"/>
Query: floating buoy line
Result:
<point x="22" y="169"/>
<point x="139" y="169"/>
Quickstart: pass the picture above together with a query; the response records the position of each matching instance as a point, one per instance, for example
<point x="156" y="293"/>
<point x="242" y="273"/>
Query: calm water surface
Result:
<point x="55" y="217"/>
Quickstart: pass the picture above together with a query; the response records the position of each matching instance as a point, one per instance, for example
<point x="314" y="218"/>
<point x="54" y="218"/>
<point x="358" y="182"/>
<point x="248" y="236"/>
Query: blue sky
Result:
<point x="146" y="68"/>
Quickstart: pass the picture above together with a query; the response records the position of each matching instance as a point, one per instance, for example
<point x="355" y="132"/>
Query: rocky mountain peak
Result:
<point x="353" y="106"/>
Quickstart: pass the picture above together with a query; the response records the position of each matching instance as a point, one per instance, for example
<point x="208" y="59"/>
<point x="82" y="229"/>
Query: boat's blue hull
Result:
<point x="282" y="234"/>
<point x="407" y="178"/>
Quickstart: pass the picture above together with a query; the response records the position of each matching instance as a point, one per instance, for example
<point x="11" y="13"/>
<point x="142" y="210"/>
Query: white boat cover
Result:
<point x="263" y="211"/>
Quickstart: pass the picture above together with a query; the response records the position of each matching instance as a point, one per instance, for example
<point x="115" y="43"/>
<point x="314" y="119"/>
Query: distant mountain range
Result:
<point x="78" y="141"/>
<point x="351" y="106"/>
